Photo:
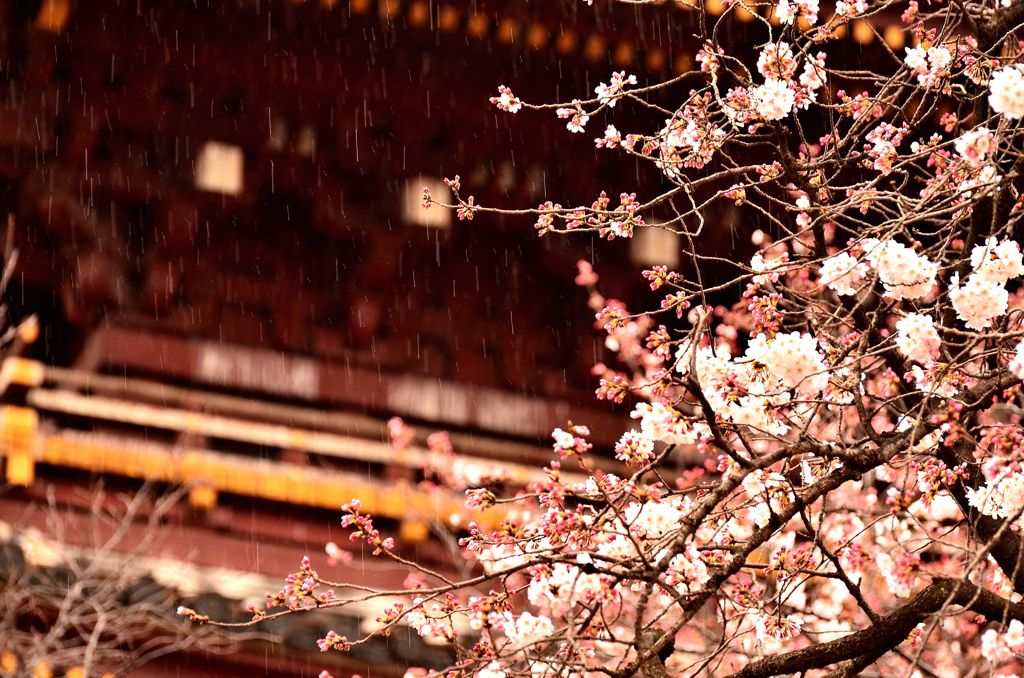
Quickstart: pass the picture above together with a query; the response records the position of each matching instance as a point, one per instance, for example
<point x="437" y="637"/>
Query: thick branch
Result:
<point x="651" y="665"/>
<point x="889" y="631"/>
<point x="1003" y="22"/>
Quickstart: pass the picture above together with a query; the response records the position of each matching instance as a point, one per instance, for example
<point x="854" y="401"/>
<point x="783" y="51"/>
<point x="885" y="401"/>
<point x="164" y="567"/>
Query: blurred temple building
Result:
<point x="217" y="213"/>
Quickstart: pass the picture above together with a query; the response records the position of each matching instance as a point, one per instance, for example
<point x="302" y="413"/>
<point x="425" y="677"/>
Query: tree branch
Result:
<point x="891" y="630"/>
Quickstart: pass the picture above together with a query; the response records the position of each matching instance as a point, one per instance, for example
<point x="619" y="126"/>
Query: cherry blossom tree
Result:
<point x="825" y="473"/>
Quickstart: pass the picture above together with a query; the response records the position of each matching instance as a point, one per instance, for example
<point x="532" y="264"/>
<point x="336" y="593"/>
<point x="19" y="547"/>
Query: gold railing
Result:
<point x="24" y="443"/>
<point x="208" y="472"/>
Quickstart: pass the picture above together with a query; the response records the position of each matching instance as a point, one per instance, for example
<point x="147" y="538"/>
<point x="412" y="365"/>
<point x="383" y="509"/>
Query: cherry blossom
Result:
<point x="577" y="117"/>
<point x="1007" y="92"/>
<point x="851" y="9"/>
<point x="777" y="61"/>
<point x="635" y="448"/>
<point x="843" y="273"/>
<point x="506" y="101"/>
<point x="904" y="273"/>
<point x="997" y="261"/>
<point x="930" y="65"/>
<point x="976" y="145"/>
<point x="978" y="301"/>
<point x="610" y="94"/>
<point x="917" y="338"/>
<point x="773" y="100"/>
<point x="793" y="358"/>
<point x="612" y="138"/>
